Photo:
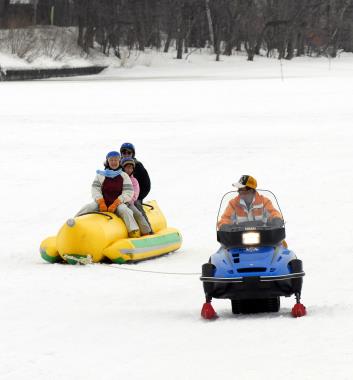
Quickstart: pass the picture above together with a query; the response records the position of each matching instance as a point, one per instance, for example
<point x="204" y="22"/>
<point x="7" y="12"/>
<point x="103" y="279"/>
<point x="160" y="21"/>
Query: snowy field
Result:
<point x="196" y="128"/>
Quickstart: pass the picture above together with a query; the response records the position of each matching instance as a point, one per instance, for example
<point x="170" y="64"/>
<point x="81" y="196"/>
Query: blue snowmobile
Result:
<point x="253" y="266"/>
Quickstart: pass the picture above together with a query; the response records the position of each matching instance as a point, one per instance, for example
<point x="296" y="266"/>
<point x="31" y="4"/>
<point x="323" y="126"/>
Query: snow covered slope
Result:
<point x="196" y="137"/>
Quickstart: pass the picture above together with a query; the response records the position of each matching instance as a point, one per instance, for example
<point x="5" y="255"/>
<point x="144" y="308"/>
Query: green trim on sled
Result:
<point x="157" y="241"/>
<point x="50" y="259"/>
<point x="143" y="245"/>
<point x="119" y="260"/>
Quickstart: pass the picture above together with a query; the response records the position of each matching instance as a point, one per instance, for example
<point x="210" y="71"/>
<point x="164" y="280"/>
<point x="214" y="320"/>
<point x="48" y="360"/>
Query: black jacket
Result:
<point x="141" y="174"/>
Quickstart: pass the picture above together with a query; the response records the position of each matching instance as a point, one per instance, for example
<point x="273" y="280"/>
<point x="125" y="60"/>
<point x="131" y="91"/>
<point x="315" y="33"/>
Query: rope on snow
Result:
<point x="88" y="260"/>
<point x="154" y="271"/>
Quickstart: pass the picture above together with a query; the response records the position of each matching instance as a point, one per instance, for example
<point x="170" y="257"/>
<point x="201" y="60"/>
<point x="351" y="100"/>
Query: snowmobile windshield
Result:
<point x="250" y="218"/>
<point x="249" y="209"/>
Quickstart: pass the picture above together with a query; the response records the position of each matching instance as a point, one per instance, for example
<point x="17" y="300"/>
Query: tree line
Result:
<point x="281" y="28"/>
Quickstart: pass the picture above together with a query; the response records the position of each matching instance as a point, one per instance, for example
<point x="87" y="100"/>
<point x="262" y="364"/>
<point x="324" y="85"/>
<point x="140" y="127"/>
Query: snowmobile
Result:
<point x="253" y="266"/>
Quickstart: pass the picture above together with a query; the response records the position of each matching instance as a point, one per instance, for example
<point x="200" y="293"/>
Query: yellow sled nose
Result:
<point x="89" y="235"/>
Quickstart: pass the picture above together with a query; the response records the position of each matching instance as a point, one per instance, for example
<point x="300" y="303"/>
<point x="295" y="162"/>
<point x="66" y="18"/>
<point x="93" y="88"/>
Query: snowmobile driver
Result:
<point x="250" y="206"/>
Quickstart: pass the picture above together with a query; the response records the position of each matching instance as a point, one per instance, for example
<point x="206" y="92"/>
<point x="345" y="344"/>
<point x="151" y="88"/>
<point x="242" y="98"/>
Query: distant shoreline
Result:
<point x="31" y="74"/>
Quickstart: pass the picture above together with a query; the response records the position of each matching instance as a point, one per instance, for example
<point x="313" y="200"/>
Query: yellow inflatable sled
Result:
<point x="95" y="237"/>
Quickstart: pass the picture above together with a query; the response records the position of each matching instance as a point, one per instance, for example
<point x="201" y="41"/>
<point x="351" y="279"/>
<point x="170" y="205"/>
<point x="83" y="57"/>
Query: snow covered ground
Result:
<point x="196" y="128"/>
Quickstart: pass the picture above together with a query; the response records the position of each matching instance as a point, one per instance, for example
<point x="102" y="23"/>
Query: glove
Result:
<point x="101" y="204"/>
<point x="114" y="205"/>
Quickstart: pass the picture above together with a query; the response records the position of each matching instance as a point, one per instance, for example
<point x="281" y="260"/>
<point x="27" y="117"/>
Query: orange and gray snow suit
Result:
<point x="260" y="209"/>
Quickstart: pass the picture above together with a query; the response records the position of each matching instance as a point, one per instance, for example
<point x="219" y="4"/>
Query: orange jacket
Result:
<point x="261" y="209"/>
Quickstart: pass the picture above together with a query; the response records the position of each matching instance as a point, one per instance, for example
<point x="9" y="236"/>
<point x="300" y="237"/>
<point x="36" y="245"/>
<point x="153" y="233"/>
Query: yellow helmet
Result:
<point x="246" y="181"/>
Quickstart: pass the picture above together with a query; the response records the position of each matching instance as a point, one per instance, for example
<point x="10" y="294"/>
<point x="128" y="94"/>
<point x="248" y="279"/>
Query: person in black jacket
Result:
<point x="140" y="173"/>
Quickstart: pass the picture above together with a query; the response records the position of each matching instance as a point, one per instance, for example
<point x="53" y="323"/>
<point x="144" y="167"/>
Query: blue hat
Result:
<point x="113" y="153"/>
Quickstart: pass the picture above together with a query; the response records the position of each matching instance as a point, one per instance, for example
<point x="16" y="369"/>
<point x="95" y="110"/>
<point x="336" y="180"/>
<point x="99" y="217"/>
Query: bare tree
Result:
<point x="210" y="24"/>
<point x="4" y="8"/>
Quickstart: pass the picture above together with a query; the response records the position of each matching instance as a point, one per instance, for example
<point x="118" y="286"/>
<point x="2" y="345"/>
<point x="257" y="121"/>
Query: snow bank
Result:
<point x="196" y="136"/>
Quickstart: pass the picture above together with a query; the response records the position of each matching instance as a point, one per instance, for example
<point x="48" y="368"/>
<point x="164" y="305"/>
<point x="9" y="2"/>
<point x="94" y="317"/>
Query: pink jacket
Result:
<point x="136" y="188"/>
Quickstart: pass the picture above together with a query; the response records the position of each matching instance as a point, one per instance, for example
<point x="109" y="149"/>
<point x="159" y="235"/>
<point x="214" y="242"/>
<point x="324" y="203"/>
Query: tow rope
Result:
<point x="88" y="260"/>
<point x="154" y="271"/>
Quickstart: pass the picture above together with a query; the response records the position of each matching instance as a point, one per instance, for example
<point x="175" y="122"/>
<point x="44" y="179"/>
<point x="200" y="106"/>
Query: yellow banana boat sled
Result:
<point x="96" y="237"/>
